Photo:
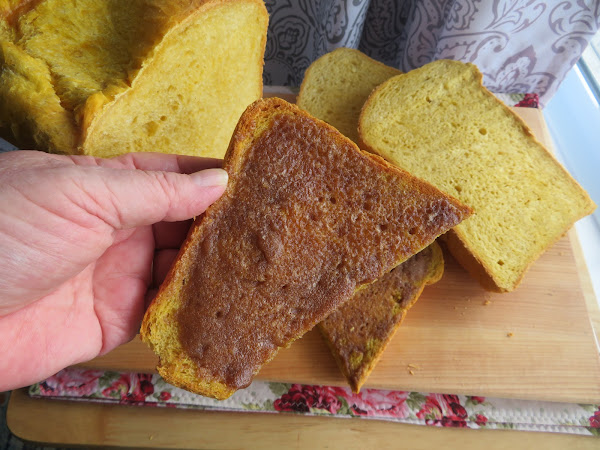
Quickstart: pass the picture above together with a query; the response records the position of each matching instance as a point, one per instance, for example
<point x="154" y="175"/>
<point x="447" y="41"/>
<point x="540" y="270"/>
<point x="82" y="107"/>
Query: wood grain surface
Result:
<point x="534" y="343"/>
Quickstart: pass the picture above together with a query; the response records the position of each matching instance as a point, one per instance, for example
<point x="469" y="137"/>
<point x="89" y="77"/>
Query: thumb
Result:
<point x="130" y="198"/>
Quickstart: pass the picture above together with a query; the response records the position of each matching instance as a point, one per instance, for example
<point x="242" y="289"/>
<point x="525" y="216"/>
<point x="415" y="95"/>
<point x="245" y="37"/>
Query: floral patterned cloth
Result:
<point x="519" y="45"/>
<point x="440" y="410"/>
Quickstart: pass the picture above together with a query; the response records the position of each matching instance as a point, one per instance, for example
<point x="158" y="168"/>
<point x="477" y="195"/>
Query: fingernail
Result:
<point x="210" y="177"/>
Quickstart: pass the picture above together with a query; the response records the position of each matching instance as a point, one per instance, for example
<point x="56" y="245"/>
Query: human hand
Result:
<point x="79" y="240"/>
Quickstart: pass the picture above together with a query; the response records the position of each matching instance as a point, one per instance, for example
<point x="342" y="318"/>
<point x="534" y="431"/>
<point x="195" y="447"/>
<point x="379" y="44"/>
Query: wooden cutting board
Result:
<point x="535" y="343"/>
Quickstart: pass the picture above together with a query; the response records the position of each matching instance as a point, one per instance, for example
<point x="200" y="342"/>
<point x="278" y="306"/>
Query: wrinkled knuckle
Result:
<point x="168" y="185"/>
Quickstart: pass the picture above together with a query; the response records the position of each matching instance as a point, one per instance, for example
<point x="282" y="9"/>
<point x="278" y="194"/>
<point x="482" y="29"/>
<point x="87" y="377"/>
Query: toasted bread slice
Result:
<point x="336" y="86"/>
<point x="307" y="218"/>
<point x="106" y="77"/>
<point x="439" y="123"/>
<point x="358" y="332"/>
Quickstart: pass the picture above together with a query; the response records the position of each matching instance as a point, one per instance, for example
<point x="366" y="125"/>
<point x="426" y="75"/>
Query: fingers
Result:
<point x="131" y="190"/>
<point x="131" y="198"/>
<point x="153" y="162"/>
<point x="168" y="237"/>
<point x="163" y="260"/>
<point x="142" y="161"/>
<point x="120" y="280"/>
<point x="173" y="163"/>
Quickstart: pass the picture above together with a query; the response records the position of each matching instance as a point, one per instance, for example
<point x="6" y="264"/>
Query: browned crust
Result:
<point x="357" y="382"/>
<point x="254" y="121"/>
<point x="209" y="385"/>
<point x="358" y="379"/>
<point x="233" y="160"/>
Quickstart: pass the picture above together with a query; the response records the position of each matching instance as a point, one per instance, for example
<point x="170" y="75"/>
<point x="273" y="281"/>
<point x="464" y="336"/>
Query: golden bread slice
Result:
<point x="439" y="123"/>
<point x="336" y="86"/>
<point x="358" y="332"/>
<point x="106" y="77"/>
<point x="307" y="219"/>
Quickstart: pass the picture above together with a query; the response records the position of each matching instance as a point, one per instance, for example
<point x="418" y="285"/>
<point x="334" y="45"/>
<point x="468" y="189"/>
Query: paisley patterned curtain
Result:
<point x="519" y="45"/>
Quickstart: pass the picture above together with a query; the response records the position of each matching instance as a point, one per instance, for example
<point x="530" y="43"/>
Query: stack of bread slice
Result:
<point x="440" y="124"/>
<point x="306" y="221"/>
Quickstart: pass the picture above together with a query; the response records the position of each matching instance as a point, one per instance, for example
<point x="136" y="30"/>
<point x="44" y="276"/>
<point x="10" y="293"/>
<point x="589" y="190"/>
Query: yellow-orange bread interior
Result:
<point x="336" y="86"/>
<point x="439" y="123"/>
<point x="106" y="77"/>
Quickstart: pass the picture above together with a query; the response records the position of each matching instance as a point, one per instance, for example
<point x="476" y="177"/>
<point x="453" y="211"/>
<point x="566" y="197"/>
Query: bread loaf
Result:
<point x="105" y="77"/>
<point x="439" y="123"/>
<point x="307" y="218"/>
<point x="336" y="86"/>
<point x="358" y="332"/>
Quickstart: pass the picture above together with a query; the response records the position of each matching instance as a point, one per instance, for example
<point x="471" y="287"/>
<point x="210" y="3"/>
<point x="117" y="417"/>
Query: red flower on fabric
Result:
<point x="595" y="419"/>
<point x="303" y="398"/>
<point x="130" y="388"/>
<point x="481" y="420"/>
<point x="141" y="387"/>
<point x="529" y="101"/>
<point x="371" y="402"/>
<point x="165" y="396"/>
<point x="477" y="400"/>
<point x="146" y="385"/>
<point x="72" y="382"/>
<point x="119" y="388"/>
<point x="443" y="410"/>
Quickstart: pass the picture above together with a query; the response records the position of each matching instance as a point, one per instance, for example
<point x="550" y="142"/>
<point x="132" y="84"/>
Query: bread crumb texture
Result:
<point x="336" y="86"/>
<point x="440" y="124"/>
<point x="307" y="219"/>
<point x="106" y="77"/>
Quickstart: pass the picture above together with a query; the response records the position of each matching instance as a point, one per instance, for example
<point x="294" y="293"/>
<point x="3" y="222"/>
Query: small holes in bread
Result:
<point x="151" y="128"/>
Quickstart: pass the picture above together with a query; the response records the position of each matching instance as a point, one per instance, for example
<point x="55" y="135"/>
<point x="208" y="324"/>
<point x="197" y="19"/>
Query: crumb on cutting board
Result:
<point x="411" y="368"/>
